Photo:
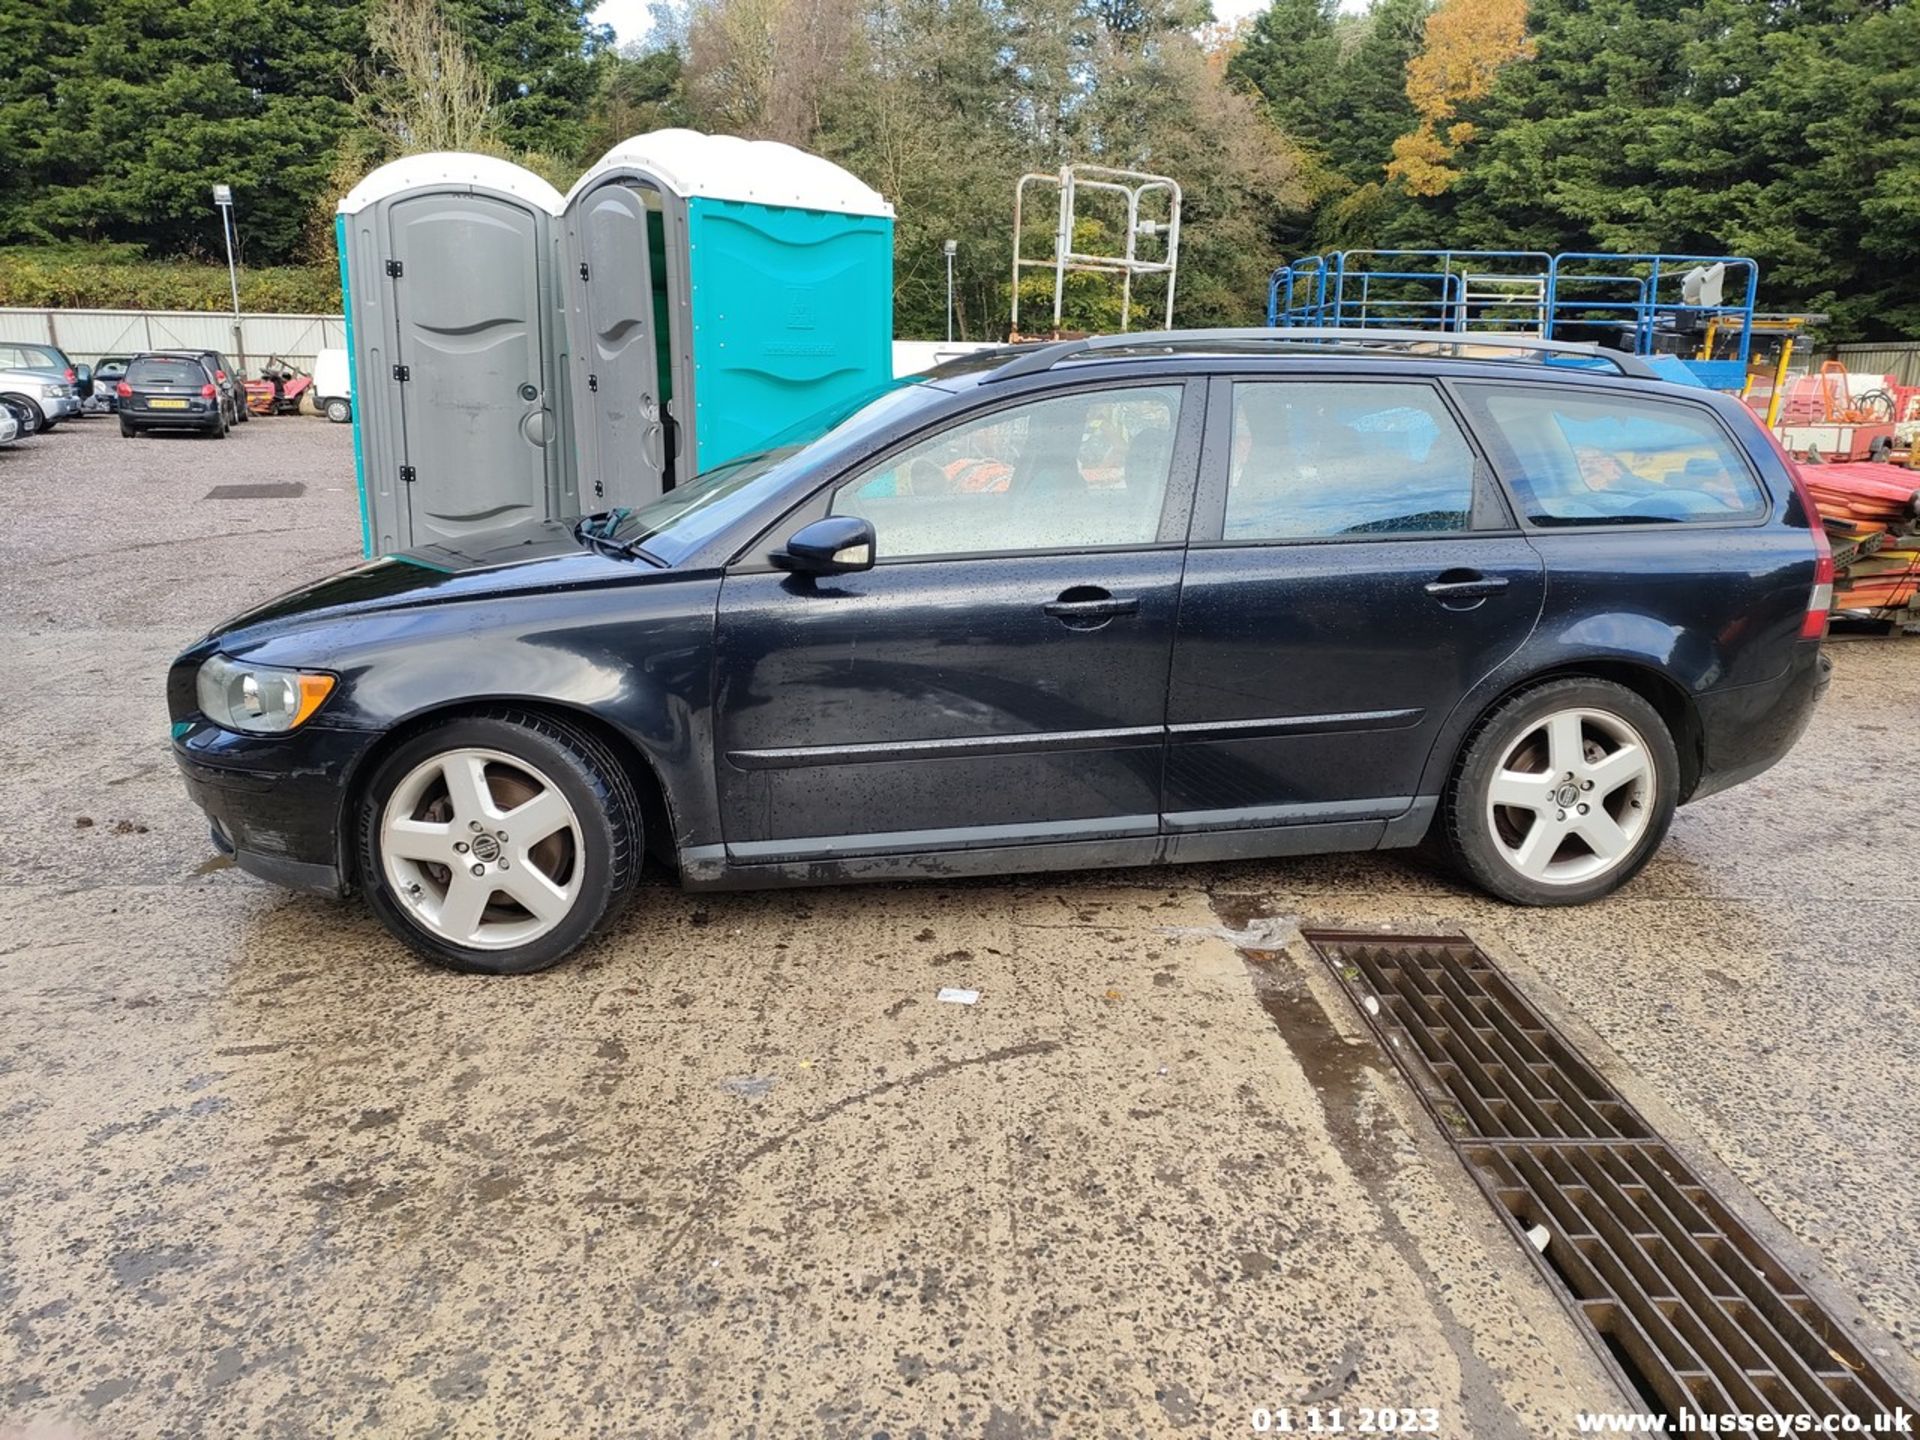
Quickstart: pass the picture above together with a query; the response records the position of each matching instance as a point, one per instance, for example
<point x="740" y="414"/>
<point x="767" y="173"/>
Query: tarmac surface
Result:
<point x="736" y="1171"/>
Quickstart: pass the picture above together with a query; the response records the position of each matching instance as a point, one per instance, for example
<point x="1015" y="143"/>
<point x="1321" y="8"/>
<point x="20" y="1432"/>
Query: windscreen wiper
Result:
<point x="597" y="530"/>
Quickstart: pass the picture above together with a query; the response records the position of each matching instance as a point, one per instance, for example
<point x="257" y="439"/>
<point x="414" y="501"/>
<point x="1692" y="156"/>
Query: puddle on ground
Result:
<point x="1337" y="1068"/>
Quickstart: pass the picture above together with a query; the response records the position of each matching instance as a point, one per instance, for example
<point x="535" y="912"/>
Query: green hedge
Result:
<point x="118" y="277"/>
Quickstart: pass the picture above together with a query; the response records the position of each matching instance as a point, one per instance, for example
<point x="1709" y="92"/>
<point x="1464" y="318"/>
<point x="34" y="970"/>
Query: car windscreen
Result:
<point x="688" y="516"/>
<point x="162" y="370"/>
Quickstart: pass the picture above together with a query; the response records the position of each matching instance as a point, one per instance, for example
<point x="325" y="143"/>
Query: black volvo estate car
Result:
<point x="1113" y="602"/>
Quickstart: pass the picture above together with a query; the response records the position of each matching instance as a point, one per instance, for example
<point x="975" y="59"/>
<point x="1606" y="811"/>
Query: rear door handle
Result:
<point x="1092" y="609"/>
<point x="1470" y="586"/>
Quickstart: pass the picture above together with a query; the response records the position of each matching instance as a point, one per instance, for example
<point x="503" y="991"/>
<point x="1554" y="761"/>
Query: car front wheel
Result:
<point x="497" y="843"/>
<point x="339" y="411"/>
<point x="1563" y="793"/>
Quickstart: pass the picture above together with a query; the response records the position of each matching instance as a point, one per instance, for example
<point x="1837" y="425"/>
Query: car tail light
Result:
<point x="123" y="390"/>
<point x="72" y="377"/>
<point x="1820" y="599"/>
<point x="207" y="390"/>
<point x="220" y="375"/>
<point x="1813" y="625"/>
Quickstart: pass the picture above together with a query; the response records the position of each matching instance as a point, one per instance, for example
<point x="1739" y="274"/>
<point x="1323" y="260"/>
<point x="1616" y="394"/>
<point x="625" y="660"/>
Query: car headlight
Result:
<point x="258" y="699"/>
<point x="52" y="392"/>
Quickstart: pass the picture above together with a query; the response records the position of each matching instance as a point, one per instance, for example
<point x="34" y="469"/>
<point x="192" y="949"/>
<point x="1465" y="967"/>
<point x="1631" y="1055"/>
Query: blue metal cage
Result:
<point x="1647" y="304"/>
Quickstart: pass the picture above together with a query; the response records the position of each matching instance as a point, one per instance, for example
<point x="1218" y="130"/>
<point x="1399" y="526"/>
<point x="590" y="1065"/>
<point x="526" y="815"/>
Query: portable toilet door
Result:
<point x="453" y="332"/>
<point x="616" y="277"/>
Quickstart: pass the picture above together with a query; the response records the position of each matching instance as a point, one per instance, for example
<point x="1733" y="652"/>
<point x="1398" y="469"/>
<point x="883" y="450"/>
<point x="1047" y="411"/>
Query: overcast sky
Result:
<point x="629" y="18"/>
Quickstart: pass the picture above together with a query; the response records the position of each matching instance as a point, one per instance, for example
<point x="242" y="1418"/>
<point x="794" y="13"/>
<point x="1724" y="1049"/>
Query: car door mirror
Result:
<point x="837" y="545"/>
<point x="83" y="373"/>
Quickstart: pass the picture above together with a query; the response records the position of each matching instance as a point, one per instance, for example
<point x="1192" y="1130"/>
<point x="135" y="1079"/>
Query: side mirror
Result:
<point x="83" y="373"/>
<point x="837" y="545"/>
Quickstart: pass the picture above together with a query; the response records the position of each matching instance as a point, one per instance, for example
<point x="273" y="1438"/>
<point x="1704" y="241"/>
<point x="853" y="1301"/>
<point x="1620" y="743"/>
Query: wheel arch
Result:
<point x="657" y="826"/>
<point x="1671" y="699"/>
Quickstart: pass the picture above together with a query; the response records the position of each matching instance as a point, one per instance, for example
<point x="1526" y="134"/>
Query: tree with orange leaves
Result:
<point x="1467" y="42"/>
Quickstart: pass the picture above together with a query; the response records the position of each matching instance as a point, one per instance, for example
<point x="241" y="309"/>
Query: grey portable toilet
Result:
<point x="458" y="347"/>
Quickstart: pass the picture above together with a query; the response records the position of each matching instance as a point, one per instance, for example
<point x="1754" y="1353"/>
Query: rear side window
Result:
<point x="159" y="370"/>
<point x="1617" y="460"/>
<point x="1315" y="460"/>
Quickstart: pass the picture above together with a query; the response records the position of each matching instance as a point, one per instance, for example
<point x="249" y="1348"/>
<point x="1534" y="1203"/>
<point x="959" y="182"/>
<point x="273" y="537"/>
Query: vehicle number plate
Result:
<point x="167" y="404"/>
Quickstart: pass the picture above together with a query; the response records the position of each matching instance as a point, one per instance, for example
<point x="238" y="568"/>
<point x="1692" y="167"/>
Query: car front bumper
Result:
<point x="1747" y="729"/>
<point x="276" y="803"/>
<point x="62" y="407"/>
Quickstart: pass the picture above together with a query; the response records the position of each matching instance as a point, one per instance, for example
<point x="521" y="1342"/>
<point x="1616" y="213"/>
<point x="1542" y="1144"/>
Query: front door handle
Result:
<point x="1088" y="607"/>
<point x="1465" y="585"/>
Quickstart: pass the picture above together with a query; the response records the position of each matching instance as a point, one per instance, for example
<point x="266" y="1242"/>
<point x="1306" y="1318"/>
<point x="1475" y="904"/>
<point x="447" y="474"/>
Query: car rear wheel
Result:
<point x="126" y="428"/>
<point x="1563" y="793"/>
<point x="497" y="843"/>
<point x="339" y="411"/>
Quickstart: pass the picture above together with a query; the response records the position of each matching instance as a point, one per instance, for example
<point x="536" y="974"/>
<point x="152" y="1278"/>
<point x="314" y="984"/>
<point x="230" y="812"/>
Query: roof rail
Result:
<point x="1351" y="339"/>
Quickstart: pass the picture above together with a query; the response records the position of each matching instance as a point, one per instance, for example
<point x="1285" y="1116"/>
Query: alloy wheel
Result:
<point x="482" y="849"/>
<point x="1571" y="797"/>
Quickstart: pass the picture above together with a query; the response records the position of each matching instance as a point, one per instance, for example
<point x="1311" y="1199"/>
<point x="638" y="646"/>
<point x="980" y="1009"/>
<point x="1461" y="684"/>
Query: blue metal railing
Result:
<point x="1638" y="298"/>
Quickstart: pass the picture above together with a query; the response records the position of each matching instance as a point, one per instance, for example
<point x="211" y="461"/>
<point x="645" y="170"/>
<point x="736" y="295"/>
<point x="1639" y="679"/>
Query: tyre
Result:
<point x="38" y="416"/>
<point x="1563" y="793"/>
<point x="218" y="430"/>
<point x="497" y="843"/>
<point x="126" y="428"/>
<point x="339" y="411"/>
<point x="47" y="426"/>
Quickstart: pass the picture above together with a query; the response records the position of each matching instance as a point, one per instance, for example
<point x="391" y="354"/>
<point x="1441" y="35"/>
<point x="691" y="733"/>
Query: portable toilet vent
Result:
<point x="519" y="355"/>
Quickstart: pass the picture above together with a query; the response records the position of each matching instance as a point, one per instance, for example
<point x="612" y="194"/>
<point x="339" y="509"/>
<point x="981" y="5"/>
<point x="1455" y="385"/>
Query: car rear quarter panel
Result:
<point x="1710" y="609"/>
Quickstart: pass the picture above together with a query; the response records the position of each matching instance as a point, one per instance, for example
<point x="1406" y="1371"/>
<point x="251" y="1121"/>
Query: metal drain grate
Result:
<point x="1688" y="1308"/>
<point x="258" y="490"/>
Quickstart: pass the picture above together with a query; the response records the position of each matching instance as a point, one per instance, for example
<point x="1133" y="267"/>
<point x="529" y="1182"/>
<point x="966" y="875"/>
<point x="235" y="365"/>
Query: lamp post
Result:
<point x="223" y="199"/>
<point x="952" y="247"/>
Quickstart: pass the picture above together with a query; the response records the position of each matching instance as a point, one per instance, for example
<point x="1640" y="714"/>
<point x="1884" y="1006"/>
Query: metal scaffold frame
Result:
<point x="1135" y="186"/>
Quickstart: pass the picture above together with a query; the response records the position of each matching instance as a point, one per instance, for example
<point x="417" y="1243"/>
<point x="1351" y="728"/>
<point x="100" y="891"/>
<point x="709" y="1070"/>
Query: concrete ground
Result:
<point x="736" y="1171"/>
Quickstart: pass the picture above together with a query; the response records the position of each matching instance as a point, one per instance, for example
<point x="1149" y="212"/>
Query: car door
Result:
<point x="1353" y="572"/>
<point x="999" y="677"/>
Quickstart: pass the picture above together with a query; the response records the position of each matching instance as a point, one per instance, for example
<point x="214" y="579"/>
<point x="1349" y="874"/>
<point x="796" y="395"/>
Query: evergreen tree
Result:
<point x="117" y="117"/>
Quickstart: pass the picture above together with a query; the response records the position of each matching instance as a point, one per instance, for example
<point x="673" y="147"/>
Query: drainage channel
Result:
<point x="1689" y="1309"/>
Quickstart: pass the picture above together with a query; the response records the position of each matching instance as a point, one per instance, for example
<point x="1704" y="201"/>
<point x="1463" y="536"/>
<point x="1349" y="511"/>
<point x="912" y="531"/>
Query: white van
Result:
<point x="332" y="386"/>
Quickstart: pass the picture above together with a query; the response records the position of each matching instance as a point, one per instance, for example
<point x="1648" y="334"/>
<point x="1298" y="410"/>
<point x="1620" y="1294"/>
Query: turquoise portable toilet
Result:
<point x="721" y="289"/>
<point x="520" y="355"/>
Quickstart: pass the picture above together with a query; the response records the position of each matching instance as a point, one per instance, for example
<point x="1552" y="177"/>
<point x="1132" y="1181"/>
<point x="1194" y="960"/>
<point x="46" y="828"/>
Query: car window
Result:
<point x="158" y="370"/>
<point x="1089" y="468"/>
<point x="1312" y="460"/>
<point x="1618" y="460"/>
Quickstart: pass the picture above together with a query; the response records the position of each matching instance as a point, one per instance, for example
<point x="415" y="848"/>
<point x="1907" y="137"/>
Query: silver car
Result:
<point x="9" y="427"/>
<point x="49" y="400"/>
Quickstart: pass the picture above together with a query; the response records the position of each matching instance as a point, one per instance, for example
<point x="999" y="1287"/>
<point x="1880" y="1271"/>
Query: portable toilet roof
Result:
<point x="726" y="167"/>
<point x="451" y="169"/>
